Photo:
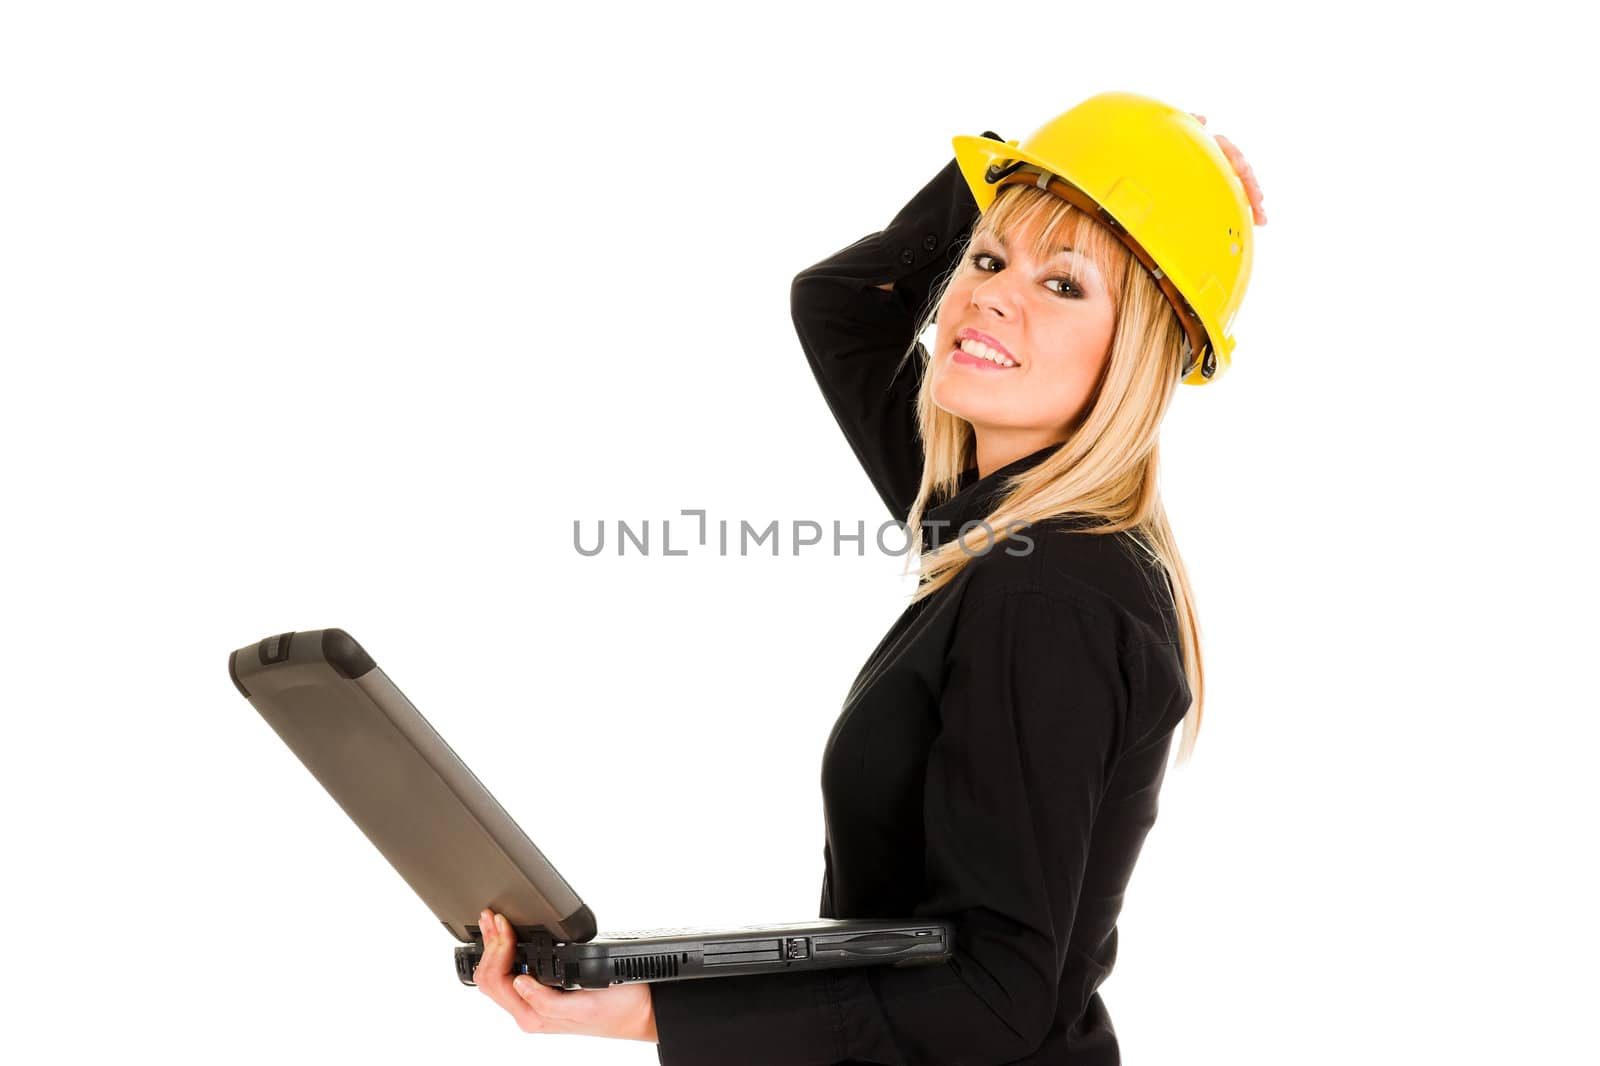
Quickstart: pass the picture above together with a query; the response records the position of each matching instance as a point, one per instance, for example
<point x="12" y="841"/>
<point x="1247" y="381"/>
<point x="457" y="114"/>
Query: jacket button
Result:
<point x="907" y="256"/>
<point x="931" y="241"/>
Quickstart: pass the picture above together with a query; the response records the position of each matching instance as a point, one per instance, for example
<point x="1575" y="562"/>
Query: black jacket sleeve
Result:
<point x="855" y="334"/>
<point x="1031" y="717"/>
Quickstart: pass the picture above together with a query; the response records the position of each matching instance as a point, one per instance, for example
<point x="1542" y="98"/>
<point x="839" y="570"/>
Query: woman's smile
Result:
<point x="976" y="342"/>
<point x="962" y="357"/>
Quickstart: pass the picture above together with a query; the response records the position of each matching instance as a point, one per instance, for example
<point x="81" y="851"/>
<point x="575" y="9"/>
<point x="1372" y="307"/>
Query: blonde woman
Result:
<point x="998" y="760"/>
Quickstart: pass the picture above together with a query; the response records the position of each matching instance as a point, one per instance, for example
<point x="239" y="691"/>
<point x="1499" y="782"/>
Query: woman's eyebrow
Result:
<point x="1062" y="250"/>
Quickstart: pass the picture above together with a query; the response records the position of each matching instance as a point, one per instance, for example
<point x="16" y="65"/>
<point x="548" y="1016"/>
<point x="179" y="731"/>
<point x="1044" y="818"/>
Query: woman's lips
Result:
<point x="975" y="361"/>
<point x="968" y="333"/>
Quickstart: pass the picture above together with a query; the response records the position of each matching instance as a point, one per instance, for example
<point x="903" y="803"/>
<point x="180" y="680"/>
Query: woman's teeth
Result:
<point x="983" y="351"/>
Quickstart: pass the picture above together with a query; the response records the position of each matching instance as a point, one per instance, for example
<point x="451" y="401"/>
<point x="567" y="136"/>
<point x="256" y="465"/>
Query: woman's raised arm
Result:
<point x="856" y="314"/>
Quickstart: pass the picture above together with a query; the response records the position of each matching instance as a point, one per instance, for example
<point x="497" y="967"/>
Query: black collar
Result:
<point x="975" y="497"/>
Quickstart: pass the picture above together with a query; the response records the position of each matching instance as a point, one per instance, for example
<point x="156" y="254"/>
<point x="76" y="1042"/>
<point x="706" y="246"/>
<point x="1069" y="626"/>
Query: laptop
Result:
<point x="460" y="851"/>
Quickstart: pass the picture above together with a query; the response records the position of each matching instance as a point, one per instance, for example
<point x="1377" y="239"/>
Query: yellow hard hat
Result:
<point x="1160" y="182"/>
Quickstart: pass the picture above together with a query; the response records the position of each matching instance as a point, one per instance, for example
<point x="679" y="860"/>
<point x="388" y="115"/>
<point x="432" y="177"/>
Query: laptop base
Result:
<point x="622" y="959"/>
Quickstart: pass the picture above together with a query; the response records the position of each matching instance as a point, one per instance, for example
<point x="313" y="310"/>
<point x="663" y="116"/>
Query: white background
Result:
<point x="341" y="314"/>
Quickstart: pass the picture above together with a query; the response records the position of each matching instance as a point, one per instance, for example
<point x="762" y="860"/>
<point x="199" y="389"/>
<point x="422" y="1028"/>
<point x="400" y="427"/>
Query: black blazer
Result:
<point x="997" y="761"/>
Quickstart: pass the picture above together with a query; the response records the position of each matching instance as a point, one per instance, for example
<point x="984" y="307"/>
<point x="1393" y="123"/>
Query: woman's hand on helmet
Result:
<point x="1252" y="188"/>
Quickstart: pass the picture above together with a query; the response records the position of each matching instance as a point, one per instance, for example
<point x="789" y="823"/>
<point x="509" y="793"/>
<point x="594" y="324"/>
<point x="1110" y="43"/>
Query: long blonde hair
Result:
<point x="1107" y="467"/>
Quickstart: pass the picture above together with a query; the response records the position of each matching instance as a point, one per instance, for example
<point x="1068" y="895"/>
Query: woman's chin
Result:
<point x="961" y="402"/>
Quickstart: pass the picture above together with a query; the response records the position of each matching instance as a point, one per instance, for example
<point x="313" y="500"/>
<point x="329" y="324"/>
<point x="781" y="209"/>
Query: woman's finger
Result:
<point x="491" y="962"/>
<point x="1252" y="187"/>
<point x="561" y="1011"/>
<point x="493" y="975"/>
<point x="494" y="965"/>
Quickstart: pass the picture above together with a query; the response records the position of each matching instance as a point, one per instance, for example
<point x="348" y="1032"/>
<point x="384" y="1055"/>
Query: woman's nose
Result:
<point x="996" y="295"/>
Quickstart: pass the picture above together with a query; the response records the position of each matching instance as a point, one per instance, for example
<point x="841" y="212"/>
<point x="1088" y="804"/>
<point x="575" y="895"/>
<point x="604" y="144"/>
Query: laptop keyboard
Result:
<point x="647" y="934"/>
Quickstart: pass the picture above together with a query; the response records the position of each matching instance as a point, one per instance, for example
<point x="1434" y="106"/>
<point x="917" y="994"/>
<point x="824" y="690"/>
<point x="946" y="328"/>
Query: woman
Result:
<point x="998" y="759"/>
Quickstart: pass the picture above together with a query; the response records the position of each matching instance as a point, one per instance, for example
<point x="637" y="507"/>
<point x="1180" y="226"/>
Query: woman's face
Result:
<point x="1052" y="318"/>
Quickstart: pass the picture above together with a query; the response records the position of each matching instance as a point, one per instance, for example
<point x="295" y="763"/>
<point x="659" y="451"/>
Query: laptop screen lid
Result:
<point x="403" y="786"/>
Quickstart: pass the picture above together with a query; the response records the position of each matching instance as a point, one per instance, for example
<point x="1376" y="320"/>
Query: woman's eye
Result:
<point x="1071" y="287"/>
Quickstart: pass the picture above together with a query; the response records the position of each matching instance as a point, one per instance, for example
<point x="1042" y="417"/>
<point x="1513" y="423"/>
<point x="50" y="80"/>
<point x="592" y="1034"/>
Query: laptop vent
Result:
<point x="644" y="967"/>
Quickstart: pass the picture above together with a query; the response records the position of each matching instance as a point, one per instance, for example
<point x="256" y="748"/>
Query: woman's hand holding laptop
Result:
<point x="623" y="1011"/>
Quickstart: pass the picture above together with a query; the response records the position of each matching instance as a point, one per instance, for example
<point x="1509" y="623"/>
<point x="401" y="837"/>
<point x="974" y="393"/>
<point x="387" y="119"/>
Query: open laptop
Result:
<point x="460" y="851"/>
